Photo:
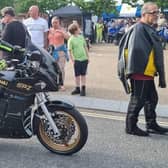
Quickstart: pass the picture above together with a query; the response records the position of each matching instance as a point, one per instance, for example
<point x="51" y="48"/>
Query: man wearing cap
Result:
<point x="14" y="31"/>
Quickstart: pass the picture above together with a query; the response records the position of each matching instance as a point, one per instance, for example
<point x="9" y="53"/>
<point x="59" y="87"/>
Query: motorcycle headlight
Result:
<point x="35" y="64"/>
<point x="40" y="85"/>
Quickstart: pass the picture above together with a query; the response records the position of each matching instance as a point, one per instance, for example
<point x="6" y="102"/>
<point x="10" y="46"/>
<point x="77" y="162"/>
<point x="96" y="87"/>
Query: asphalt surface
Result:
<point x="107" y="147"/>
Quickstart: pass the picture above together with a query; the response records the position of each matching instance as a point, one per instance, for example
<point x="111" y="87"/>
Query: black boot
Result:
<point x="83" y="91"/>
<point x="137" y="131"/>
<point x="132" y="128"/>
<point x="155" y="128"/>
<point x="76" y="91"/>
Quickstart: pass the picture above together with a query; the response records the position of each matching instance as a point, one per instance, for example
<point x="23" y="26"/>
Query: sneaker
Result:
<point x="75" y="91"/>
<point x="156" y="129"/>
<point x="137" y="131"/>
<point x="83" y="91"/>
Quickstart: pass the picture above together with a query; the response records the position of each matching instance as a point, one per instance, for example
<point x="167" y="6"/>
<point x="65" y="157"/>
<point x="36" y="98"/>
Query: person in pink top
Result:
<point x="56" y="38"/>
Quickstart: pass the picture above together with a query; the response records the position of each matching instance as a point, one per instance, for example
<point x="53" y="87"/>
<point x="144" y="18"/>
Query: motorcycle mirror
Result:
<point x="14" y="62"/>
<point x="35" y="56"/>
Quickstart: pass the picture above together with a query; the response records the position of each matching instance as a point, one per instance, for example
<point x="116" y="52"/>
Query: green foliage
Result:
<point x="23" y="5"/>
<point x="97" y="6"/>
<point x="44" y="5"/>
<point x="161" y="3"/>
<point x="4" y="3"/>
<point x="94" y="6"/>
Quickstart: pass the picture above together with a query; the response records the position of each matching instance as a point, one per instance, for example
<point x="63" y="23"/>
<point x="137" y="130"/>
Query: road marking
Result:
<point x="117" y="118"/>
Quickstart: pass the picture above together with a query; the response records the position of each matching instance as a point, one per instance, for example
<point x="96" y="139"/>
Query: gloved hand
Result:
<point x="18" y="50"/>
<point x="3" y="64"/>
<point x="162" y="82"/>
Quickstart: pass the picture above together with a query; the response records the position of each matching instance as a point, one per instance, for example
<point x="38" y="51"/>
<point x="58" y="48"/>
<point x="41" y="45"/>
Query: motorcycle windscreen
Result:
<point x="49" y="65"/>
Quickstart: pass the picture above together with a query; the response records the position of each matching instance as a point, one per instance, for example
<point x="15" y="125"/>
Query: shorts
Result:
<point x="80" y="67"/>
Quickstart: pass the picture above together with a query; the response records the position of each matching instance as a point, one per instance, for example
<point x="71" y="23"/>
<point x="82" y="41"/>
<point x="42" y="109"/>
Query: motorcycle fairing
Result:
<point x="49" y="68"/>
<point x="15" y="119"/>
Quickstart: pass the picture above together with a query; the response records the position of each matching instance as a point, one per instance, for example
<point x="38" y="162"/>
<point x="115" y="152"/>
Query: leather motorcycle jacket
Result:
<point x="140" y="52"/>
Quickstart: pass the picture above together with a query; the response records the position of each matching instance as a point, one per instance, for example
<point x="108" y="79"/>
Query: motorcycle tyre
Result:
<point x="83" y="133"/>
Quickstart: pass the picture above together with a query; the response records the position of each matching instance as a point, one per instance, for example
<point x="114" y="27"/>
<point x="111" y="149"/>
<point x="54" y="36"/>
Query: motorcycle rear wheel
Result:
<point x="73" y="129"/>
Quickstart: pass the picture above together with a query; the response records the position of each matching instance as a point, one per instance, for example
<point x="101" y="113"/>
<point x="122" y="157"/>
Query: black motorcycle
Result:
<point x="26" y="108"/>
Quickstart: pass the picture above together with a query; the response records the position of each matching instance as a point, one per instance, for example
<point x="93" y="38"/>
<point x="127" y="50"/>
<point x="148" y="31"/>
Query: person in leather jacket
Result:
<point x="140" y="60"/>
<point x="14" y="31"/>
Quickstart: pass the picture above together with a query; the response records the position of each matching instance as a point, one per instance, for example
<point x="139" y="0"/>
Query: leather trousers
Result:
<point x="143" y="95"/>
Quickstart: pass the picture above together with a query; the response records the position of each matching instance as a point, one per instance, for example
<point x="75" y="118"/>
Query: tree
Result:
<point x="23" y="5"/>
<point x="97" y="7"/>
<point x="162" y="4"/>
<point x="6" y="3"/>
<point x="44" y="5"/>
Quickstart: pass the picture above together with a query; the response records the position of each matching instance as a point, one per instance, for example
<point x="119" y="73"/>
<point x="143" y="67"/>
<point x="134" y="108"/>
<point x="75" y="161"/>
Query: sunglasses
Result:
<point x="55" y="22"/>
<point x="153" y="12"/>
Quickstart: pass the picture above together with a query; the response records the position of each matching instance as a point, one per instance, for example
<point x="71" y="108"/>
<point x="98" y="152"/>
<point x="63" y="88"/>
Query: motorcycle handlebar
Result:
<point x="5" y="46"/>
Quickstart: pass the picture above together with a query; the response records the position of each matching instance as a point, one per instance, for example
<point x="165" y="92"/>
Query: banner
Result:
<point x="127" y="11"/>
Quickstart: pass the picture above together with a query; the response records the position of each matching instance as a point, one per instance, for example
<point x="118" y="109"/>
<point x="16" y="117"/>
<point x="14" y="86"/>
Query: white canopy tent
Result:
<point x="127" y="10"/>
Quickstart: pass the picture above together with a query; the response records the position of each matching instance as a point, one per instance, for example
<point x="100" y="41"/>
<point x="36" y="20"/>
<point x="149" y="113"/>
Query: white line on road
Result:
<point x="117" y="118"/>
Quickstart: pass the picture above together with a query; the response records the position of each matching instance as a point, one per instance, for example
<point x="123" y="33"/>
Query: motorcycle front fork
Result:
<point x="41" y="99"/>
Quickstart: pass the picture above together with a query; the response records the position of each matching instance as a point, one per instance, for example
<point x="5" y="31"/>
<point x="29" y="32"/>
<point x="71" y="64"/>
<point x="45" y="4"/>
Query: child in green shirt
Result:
<point x="79" y="56"/>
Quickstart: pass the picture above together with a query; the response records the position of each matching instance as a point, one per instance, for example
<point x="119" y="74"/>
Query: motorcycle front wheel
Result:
<point x="73" y="131"/>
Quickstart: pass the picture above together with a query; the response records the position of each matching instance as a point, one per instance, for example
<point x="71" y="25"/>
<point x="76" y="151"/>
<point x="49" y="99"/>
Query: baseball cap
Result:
<point x="8" y="10"/>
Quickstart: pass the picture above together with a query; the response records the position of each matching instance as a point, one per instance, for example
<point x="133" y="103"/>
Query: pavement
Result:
<point x="104" y="90"/>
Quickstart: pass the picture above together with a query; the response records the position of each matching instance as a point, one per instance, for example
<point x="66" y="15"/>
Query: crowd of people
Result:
<point x="66" y="44"/>
<point x="111" y="31"/>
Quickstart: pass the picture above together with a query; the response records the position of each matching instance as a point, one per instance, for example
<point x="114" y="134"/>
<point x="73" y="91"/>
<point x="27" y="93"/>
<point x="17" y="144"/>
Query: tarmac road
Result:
<point x="107" y="147"/>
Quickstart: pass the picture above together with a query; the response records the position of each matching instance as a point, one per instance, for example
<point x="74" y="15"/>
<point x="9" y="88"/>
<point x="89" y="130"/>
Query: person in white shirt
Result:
<point x="37" y="27"/>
